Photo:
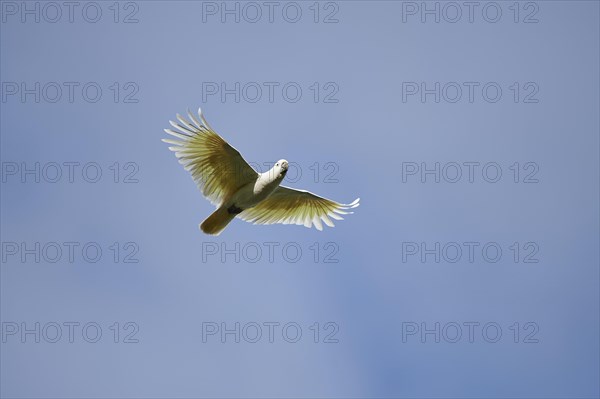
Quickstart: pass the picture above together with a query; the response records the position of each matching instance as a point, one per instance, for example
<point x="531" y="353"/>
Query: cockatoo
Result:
<point x="237" y="190"/>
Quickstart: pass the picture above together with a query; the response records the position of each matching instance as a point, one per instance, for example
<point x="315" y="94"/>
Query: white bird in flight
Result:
<point x="226" y="179"/>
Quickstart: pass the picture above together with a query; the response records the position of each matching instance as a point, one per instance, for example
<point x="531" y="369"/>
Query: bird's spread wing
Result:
<point x="289" y="206"/>
<point x="217" y="168"/>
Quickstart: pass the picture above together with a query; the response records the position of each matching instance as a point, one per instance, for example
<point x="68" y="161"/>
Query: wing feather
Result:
<point x="218" y="169"/>
<point x="289" y="206"/>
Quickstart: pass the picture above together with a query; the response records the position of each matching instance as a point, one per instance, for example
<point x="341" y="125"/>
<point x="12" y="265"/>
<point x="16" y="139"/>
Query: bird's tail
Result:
<point x="217" y="221"/>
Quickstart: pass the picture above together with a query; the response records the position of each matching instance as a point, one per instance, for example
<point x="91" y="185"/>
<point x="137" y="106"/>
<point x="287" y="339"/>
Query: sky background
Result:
<point x="371" y="286"/>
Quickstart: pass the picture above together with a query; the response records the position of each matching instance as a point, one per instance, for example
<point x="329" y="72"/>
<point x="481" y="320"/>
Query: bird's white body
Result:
<point x="237" y="190"/>
<point x="253" y="193"/>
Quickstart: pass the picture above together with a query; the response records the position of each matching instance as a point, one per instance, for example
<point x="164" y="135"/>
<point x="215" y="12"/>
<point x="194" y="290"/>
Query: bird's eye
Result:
<point x="277" y="164"/>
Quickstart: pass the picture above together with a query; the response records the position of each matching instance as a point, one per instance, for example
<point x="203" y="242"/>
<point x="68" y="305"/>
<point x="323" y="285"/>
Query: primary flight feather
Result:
<point x="226" y="179"/>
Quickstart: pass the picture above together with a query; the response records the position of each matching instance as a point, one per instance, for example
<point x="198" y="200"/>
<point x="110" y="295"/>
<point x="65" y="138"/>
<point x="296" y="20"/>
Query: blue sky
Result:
<point x="370" y="102"/>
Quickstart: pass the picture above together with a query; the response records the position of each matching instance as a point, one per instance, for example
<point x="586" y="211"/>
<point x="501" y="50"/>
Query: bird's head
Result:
<point x="281" y="168"/>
